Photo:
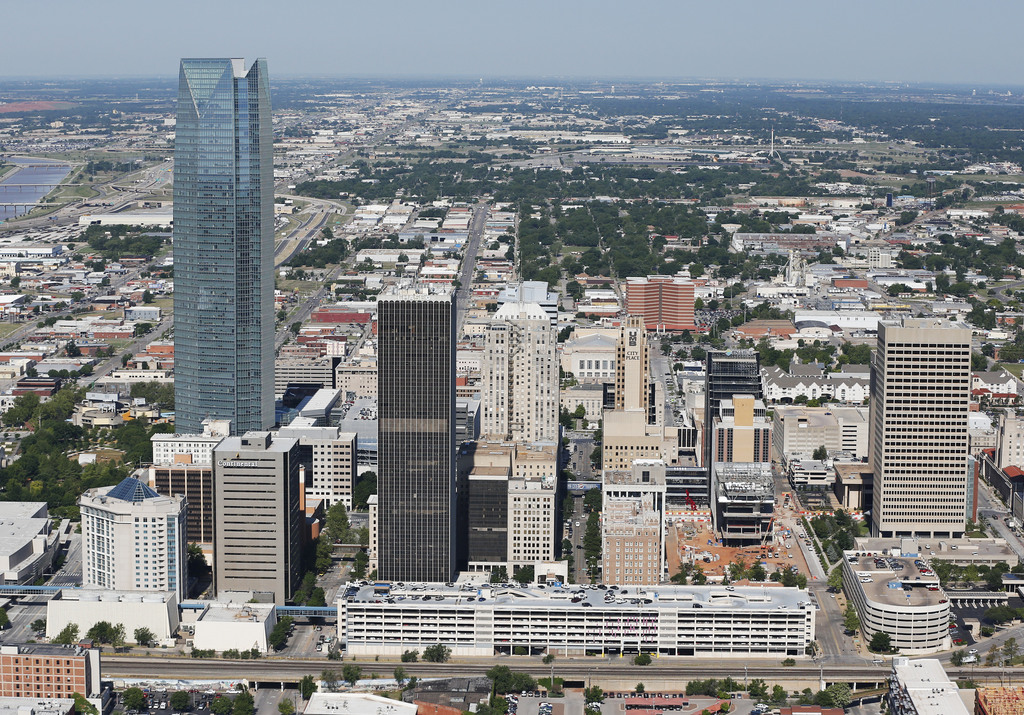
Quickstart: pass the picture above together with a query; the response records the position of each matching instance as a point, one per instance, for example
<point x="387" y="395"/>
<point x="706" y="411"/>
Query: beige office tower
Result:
<point x="520" y="376"/>
<point x="920" y="396"/>
<point x="633" y="524"/>
<point x="632" y="366"/>
<point x="258" y="537"/>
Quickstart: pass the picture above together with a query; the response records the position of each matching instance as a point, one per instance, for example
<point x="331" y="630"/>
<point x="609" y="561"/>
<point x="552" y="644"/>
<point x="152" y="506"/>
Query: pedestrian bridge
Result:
<point x="14" y="589"/>
<point x="330" y="612"/>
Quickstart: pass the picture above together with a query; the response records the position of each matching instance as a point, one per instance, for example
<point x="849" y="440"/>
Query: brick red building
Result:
<point x="664" y="302"/>
<point x="39" y="670"/>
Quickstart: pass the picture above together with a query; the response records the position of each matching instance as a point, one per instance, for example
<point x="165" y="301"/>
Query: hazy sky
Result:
<point x="943" y="41"/>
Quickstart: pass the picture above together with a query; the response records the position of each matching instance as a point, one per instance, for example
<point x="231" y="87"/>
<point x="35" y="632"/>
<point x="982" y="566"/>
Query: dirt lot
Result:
<point x="697" y="538"/>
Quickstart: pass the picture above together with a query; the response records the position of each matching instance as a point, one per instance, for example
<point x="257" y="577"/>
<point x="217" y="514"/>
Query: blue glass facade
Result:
<point x="223" y="246"/>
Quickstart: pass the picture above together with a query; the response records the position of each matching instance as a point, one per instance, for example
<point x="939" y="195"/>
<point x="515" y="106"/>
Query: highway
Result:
<point x="297" y="240"/>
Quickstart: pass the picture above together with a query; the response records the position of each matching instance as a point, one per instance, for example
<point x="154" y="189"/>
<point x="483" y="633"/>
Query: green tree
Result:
<point x="38" y="625"/>
<point x="838" y="695"/>
<point x="592" y="542"/>
<point x="295" y="328"/>
<point x="336" y="523"/>
<point x="351" y="673"/>
<point x="84" y="706"/>
<point x="147" y="297"/>
<point x="221" y="706"/>
<point x="523" y="574"/>
<point x="639" y="688"/>
<point x="307" y="686"/>
<point x="499" y="575"/>
<point x="1010" y="649"/>
<point x="400" y="675"/>
<point x="851" y="621"/>
<point x="758" y="689"/>
<point x="330" y="679"/>
<point x="820" y="453"/>
<point x="285" y="706"/>
<point x="244" y="704"/>
<point x="437" y="653"/>
<point x="366" y="485"/>
<point x="359" y="564"/>
<point x="880" y="642"/>
<point x="507" y="681"/>
<point x="778" y="695"/>
<point x="133" y="699"/>
<point x="957" y="657"/>
<point x="279" y="633"/>
<point x="835" y="578"/>
<point x="4" y="619"/>
<point x="410" y="656"/>
<point x="180" y="700"/>
<point x="642" y="659"/>
<point x="144" y="636"/>
<point x="68" y="635"/>
<point x="593" y="694"/>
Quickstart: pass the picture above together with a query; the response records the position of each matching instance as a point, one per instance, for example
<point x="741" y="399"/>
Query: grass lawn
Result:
<point x="1014" y="368"/>
<point x="8" y="328"/>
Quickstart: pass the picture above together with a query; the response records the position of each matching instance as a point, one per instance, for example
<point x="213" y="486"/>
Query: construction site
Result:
<point x="1000" y="701"/>
<point x="694" y="541"/>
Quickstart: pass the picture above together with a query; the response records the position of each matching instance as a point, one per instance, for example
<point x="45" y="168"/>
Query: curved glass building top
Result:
<point x="223" y="246"/>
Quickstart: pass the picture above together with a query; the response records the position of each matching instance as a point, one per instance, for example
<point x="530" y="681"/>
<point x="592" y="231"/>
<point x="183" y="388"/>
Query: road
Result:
<point x="661" y="371"/>
<point x="305" y="309"/>
<point x="137" y="345"/>
<point x="579" y="559"/>
<point x="991" y="507"/>
<point x="476" y="232"/>
<point x="70" y="574"/>
<point x="291" y="670"/>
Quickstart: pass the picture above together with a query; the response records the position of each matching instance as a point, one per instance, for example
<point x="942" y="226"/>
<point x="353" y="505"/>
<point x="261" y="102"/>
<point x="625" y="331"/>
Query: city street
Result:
<point x="476" y="232"/>
<point x="991" y="507"/>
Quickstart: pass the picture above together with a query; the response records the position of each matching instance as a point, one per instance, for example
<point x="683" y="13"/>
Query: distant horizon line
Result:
<point x="596" y="79"/>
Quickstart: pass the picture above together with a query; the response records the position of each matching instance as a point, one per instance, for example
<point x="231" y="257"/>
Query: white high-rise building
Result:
<point x="133" y="539"/>
<point x="920" y="398"/>
<point x="520" y="376"/>
<point x="190" y="448"/>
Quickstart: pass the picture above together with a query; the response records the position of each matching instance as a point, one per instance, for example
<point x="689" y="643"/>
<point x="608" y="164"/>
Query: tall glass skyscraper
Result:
<point x="416" y="436"/>
<point x="223" y="246"/>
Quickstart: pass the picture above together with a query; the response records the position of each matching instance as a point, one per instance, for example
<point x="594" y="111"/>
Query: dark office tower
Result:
<point x="730" y="372"/>
<point x="223" y="246"/>
<point x="416" y="435"/>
